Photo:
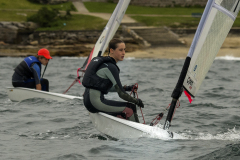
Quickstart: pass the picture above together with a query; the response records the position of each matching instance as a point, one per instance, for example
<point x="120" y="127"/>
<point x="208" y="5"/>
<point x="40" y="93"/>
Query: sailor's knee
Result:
<point x="128" y="112"/>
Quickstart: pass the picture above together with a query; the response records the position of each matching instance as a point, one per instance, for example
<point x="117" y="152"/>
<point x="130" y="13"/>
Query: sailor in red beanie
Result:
<point x="28" y="73"/>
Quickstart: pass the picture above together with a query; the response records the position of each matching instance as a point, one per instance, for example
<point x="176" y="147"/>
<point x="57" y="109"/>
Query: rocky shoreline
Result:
<point x="20" y="40"/>
<point x="230" y="47"/>
<point x="76" y="50"/>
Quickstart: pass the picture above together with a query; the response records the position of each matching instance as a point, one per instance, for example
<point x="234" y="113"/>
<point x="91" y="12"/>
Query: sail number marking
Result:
<point x="190" y="82"/>
<point x="102" y="39"/>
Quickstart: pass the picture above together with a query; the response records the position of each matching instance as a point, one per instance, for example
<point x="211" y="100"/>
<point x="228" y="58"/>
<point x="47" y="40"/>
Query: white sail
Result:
<point x="109" y="31"/>
<point x="216" y="22"/>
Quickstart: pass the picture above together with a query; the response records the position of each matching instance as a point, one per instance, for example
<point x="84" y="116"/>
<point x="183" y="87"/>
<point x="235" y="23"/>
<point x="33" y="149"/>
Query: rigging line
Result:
<point x="44" y="69"/>
<point x="77" y="79"/>
<point x="236" y="6"/>
<point x="160" y="115"/>
<point x="132" y="92"/>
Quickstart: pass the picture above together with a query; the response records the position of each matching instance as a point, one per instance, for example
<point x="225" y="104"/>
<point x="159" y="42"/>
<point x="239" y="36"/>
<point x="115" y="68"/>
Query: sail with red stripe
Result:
<point x="108" y="32"/>
<point x="208" y="41"/>
<point x="215" y="24"/>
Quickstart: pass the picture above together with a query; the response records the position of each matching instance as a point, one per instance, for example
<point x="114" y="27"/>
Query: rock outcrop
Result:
<point x="9" y="30"/>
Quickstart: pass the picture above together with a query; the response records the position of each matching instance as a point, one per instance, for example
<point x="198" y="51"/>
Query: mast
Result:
<point x="109" y="35"/>
<point x="216" y="21"/>
<point x="108" y="32"/>
<point x="177" y="92"/>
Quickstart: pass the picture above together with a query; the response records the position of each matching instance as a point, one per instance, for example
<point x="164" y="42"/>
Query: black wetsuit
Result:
<point x="94" y="99"/>
<point x="28" y="74"/>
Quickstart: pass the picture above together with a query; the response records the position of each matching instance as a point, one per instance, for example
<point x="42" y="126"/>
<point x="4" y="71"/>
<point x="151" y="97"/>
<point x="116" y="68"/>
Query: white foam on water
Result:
<point x="230" y="135"/>
<point x="65" y="57"/>
<point x="229" y="58"/>
<point x="157" y="132"/>
<point x="129" y="58"/>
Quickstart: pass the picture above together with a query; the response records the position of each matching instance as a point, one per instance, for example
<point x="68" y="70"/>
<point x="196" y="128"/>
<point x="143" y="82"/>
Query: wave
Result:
<point x="230" y="151"/>
<point x="230" y="135"/>
<point x="229" y="58"/>
<point x="65" y="57"/>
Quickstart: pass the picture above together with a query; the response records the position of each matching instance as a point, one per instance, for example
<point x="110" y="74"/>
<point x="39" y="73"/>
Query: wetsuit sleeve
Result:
<point x="112" y="89"/>
<point x="36" y="72"/>
<point x="113" y="75"/>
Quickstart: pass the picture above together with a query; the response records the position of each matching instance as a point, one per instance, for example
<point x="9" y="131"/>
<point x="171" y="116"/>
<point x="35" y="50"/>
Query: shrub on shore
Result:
<point x="48" y="17"/>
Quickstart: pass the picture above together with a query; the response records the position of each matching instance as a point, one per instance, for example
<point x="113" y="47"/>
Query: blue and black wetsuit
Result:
<point x="101" y="77"/>
<point x="28" y="74"/>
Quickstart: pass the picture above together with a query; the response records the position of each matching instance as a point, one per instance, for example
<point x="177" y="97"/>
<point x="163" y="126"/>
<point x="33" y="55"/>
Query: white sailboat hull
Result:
<point x="17" y="94"/>
<point x="121" y="128"/>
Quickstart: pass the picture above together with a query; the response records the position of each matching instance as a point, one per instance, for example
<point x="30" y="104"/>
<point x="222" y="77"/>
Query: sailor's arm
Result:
<point x="113" y="75"/>
<point x="37" y="75"/>
<point x="122" y="94"/>
<point x="39" y="87"/>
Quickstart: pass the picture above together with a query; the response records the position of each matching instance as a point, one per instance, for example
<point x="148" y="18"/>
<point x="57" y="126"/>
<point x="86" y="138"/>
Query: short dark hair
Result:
<point x="37" y="56"/>
<point x="113" y="44"/>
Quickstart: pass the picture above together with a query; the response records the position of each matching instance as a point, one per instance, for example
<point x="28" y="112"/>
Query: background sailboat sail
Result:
<point x="218" y="18"/>
<point x="208" y="40"/>
<point x="108" y="32"/>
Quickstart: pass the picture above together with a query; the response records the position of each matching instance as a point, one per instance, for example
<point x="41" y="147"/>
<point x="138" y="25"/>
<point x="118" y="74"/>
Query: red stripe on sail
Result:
<point x="188" y="96"/>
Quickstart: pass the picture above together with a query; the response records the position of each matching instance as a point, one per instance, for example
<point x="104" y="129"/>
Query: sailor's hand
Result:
<point x="128" y="88"/>
<point x="140" y="103"/>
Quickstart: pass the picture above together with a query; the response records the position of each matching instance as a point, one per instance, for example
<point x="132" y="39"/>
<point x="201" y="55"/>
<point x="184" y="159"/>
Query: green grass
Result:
<point x="155" y="21"/>
<point x="79" y="22"/>
<point x="82" y="22"/>
<point x="109" y="7"/>
<point x="16" y="16"/>
<point x="173" y="22"/>
<point x="237" y="22"/>
<point x="76" y="22"/>
<point x="25" y="4"/>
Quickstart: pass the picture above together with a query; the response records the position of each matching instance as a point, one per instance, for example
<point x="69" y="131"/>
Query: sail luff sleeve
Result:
<point x="111" y="22"/>
<point x="178" y="89"/>
<point x="102" y="42"/>
<point x="116" y="23"/>
<point x="177" y="92"/>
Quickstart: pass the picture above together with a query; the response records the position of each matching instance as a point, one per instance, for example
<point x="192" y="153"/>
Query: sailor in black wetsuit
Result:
<point x="102" y="76"/>
<point x="28" y="73"/>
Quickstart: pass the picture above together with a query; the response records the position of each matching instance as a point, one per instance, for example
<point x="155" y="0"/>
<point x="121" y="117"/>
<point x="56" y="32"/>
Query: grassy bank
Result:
<point x="109" y="7"/>
<point x="76" y="22"/>
<point x="173" y="22"/>
<point x="19" y="10"/>
<point x="167" y="16"/>
<point x="17" y="16"/>
<point x="79" y="22"/>
<point x="25" y="4"/>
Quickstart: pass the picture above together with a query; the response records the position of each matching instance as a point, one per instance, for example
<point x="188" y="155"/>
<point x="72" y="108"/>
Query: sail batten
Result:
<point x="225" y="11"/>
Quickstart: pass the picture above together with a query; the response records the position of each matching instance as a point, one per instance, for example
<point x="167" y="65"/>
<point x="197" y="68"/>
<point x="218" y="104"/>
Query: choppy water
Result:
<point x="43" y="129"/>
